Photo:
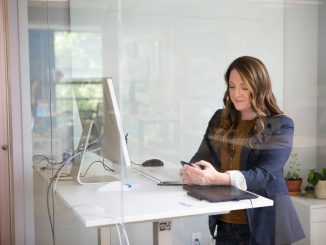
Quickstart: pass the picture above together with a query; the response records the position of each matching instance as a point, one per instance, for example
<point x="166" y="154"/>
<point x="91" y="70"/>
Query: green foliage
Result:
<point x="80" y="50"/>
<point x="314" y="176"/>
<point x="294" y="167"/>
<point x="88" y="95"/>
<point x="309" y="192"/>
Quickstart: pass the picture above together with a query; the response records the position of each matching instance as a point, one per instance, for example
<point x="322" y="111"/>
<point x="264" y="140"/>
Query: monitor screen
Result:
<point x="102" y="135"/>
<point x="113" y="142"/>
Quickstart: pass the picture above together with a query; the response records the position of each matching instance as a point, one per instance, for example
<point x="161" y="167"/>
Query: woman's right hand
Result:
<point x="203" y="173"/>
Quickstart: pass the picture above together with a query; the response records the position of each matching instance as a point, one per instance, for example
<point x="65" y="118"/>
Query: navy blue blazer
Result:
<point x="262" y="166"/>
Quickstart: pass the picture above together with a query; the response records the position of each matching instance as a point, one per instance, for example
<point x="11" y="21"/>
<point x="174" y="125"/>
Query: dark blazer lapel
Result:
<point x="244" y="157"/>
<point x="266" y="134"/>
<point x="245" y="153"/>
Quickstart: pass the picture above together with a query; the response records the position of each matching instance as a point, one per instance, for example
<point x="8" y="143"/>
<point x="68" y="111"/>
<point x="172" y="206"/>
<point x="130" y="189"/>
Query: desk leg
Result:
<point x="162" y="232"/>
<point x="104" y="236"/>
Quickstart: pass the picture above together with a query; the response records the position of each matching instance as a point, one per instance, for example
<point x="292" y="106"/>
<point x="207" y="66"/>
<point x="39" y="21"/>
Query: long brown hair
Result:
<point x="255" y="76"/>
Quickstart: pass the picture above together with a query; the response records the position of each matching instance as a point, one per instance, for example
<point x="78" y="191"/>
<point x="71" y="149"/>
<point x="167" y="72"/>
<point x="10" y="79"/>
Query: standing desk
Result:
<point x="147" y="202"/>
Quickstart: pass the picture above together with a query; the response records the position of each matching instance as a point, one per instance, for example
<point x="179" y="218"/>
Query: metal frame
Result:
<point x="6" y="201"/>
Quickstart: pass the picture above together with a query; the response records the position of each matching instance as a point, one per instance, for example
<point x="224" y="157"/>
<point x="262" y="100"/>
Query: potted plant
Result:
<point x="317" y="182"/>
<point x="293" y="179"/>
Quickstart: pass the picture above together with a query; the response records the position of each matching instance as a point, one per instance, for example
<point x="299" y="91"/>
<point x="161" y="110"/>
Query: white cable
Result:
<point x="64" y="164"/>
<point x="57" y="175"/>
<point x="125" y="233"/>
<point x="57" y="178"/>
<point x="119" y="235"/>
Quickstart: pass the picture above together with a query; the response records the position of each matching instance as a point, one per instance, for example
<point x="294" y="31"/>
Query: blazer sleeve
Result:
<point x="205" y="151"/>
<point x="265" y="166"/>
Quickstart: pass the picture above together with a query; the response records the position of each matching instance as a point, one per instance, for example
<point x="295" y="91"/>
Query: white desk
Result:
<point x="148" y="202"/>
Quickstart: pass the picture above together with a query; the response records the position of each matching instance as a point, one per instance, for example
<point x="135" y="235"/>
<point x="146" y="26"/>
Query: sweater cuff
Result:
<point x="237" y="179"/>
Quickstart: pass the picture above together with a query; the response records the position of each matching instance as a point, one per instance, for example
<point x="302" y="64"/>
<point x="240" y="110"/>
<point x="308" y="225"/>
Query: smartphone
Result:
<point x="190" y="164"/>
<point x="183" y="163"/>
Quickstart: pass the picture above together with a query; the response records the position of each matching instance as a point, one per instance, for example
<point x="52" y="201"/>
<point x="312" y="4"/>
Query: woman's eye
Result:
<point x="244" y="88"/>
<point x="231" y="86"/>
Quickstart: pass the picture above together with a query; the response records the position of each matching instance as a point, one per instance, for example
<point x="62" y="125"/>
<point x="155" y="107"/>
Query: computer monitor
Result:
<point x="102" y="138"/>
<point x="113" y="142"/>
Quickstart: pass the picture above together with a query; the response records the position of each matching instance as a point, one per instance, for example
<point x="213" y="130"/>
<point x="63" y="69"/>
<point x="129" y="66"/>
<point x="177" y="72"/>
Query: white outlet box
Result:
<point x="196" y="239"/>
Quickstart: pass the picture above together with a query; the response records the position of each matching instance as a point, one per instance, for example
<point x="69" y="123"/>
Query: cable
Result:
<point x="252" y="211"/>
<point x="106" y="167"/>
<point x="50" y="109"/>
<point x="65" y="162"/>
<point x="64" y="175"/>
<point x="41" y="160"/>
<point x="47" y="198"/>
<point x="58" y="173"/>
<point x="46" y="159"/>
<point x="48" y="210"/>
<point x="124" y="233"/>
<point x="135" y="163"/>
<point x="119" y="235"/>
<point x="55" y="177"/>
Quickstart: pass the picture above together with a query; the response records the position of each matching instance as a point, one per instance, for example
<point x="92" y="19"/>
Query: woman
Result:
<point x="247" y="145"/>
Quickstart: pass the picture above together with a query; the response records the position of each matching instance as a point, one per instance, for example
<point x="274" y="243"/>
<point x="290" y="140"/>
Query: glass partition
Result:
<point x="167" y="60"/>
<point x="66" y="89"/>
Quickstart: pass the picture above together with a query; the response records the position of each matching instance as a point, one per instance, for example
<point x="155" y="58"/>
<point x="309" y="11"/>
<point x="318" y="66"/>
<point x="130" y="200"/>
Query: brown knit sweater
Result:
<point x="230" y="160"/>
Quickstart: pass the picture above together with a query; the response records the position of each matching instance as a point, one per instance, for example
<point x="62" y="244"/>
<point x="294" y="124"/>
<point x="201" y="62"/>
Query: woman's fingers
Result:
<point x="193" y="175"/>
<point x="201" y="173"/>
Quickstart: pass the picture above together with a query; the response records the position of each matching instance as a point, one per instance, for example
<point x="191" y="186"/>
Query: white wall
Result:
<point x="300" y="79"/>
<point x="321" y="94"/>
<point x="171" y="60"/>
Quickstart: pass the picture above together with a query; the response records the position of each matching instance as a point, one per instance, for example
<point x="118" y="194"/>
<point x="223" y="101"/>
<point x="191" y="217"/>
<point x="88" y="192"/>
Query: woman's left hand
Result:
<point x="203" y="173"/>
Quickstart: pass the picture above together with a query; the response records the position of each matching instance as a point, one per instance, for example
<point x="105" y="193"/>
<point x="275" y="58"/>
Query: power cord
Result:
<point x="106" y="167"/>
<point x="46" y="159"/>
<point x="135" y="163"/>
<point x="126" y="138"/>
<point x="55" y="178"/>
<point x="124" y="233"/>
<point x="252" y="211"/>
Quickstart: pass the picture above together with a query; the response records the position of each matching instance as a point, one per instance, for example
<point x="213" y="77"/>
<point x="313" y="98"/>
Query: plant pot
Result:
<point x="294" y="186"/>
<point x="320" y="189"/>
